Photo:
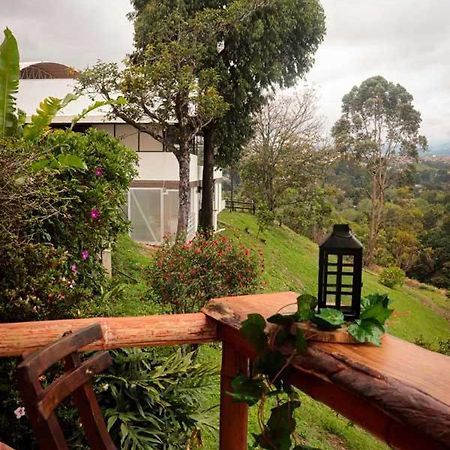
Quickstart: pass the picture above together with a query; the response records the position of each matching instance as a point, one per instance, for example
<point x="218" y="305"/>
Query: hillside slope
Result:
<point x="291" y="263"/>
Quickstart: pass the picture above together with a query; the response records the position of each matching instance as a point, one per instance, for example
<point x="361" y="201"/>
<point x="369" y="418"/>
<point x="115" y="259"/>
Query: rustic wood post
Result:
<point x="233" y="416"/>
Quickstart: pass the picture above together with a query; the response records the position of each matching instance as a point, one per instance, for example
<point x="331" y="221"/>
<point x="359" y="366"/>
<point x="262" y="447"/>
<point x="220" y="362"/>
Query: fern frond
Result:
<point x="9" y="83"/>
<point x="44" y="116"/>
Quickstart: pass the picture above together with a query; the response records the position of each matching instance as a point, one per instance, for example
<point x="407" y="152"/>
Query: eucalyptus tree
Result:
<point x="379" y="128"/>
<point x="252" y="46"/>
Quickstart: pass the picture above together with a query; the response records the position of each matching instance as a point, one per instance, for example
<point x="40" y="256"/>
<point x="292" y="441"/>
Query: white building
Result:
<point x="153" y="196"/>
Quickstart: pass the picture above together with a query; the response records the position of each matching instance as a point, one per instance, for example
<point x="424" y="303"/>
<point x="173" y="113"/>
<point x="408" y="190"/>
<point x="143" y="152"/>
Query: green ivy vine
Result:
<point x="271" y="366"/>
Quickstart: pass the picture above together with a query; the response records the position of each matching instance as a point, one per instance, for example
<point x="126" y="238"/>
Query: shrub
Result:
<point x="392" y="276"/>
<point x="185" y="276"/>
<point x="58" y="221"/>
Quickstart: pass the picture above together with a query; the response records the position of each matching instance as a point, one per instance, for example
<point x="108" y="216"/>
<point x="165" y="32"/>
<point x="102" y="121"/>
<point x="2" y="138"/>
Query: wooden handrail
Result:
<point x="118" y="332"/>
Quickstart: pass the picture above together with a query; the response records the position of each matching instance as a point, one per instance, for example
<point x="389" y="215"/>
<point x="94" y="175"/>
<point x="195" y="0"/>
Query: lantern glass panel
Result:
<point x="340" y="270"/>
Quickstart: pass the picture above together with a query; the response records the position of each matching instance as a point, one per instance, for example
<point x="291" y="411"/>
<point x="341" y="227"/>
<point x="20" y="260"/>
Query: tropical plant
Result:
<point x="153" y="399"/>
<point x="9" y="84"/>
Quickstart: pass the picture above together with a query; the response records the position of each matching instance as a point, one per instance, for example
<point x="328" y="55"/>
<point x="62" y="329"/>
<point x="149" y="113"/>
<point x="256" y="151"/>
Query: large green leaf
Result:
<point x="367" y="331"/>
<point x="253" y="330"/>
<point x="306" y="304"/>
<point x="329" y="319"/>
<point x="44" y="116"/>
<point x="247" y="390"/>
<point x="9" y="83"/>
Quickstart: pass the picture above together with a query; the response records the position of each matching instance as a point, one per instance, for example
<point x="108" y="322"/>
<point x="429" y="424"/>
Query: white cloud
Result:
<point x="406" y="41"/>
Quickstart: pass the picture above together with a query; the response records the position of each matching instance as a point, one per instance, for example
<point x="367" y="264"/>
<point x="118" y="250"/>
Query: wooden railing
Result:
<point x="399" y="392"/>
<point x="238" y="205"/>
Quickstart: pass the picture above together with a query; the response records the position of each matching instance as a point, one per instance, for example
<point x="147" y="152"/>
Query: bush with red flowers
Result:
<point x="185" y="276"/>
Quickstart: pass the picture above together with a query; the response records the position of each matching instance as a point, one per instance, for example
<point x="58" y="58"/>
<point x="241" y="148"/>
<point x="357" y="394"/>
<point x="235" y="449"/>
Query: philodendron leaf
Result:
<point x="247" y="390"/>
<point x="306" y="305"/>
<point x="253" y="330"/>
<point x="329" y="319"/>
<point x="367" y="330"/>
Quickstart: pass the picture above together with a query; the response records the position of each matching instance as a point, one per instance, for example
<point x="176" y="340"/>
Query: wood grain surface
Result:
<point x="399" y="391"/>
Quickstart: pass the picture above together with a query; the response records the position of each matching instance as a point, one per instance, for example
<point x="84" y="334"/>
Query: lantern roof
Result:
<point x="341" y="237"/>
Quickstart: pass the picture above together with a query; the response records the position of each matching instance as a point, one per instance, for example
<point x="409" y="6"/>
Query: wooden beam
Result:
<point x="118" y="332"/>
<point x="233" y="416"/>
<point x="399" y="392"/>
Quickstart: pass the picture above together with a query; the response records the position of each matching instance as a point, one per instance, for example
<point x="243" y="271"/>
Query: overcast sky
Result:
<point x="406" y="41"/>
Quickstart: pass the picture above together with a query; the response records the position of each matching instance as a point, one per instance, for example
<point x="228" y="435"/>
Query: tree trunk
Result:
<point x="206" y="219"/>
<point x="376" y="214"/>
<point x="184" y="190"/>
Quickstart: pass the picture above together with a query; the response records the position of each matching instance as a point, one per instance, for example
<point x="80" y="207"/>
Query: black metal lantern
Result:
<point x="340" y="272"/>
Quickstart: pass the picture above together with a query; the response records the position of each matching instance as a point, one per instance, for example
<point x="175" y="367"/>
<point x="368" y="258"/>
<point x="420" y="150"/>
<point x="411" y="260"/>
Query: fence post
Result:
<point x="233" y="416"/>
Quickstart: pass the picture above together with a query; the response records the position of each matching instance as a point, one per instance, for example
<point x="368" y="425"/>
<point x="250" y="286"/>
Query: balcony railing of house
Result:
<point x="399" y="391"/>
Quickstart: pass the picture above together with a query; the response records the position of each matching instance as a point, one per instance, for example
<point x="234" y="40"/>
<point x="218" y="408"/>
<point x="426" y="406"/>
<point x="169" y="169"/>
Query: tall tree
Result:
<point x="253" y="45"/>
<point x="379" y="127"/>
<point x="168" y="96"/>
<point x="283" y="162"/>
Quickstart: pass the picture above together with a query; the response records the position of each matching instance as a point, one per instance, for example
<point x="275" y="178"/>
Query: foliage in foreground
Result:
<point x="153" y="399"/>
<point x="186" y="275"/>
<point x="271" y="365"/>
<point x="59" y="220"/>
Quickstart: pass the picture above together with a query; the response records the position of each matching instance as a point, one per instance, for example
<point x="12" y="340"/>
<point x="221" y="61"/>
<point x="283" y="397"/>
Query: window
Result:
<point x="145" y="215"/>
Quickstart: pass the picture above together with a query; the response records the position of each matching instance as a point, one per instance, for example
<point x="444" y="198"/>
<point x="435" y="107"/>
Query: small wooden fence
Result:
<point x="237" y="205"/>
<point x="399" y="391"/>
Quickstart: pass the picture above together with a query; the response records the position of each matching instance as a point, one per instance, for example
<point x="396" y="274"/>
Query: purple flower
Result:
<point x="74" y="268"/>
<point x="99" y="172"/>
<point x="84" y="255"/>
<point x="95" y="213"/>
<point x="19" y="412"/>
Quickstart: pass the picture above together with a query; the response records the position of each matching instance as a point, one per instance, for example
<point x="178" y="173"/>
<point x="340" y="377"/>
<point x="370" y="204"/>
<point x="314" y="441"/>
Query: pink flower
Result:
<point x="99" y="172"/>
<point x="19" y="412"/>
<point x="95" y="214"/>
<point x="74" y="268"/>
<point x="84" y="255"/>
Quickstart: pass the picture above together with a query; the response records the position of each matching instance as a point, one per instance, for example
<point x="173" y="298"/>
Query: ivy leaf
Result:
<point x="300" y="341"/>
<point x="269" y="363"/>
<point x="376" y="309"/>
<point x="282" y="336"/>
<point x="253" y="330"/>
<point x="306" y="304"/>
<point x="372" y="299"/>
<point x="282" y="319"/>
<point x="280" y="426"/>
<point x="329" y="319"/>
<point x="367" y="330"/>
<point x="247" y="390"/>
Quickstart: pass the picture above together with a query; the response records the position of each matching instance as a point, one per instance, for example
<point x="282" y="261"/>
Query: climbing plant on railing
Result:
<point x="277" y="342"/>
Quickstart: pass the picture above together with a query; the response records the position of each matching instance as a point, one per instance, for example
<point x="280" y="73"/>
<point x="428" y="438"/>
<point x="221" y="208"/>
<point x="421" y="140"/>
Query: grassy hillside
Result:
<point x="290" y="264"/>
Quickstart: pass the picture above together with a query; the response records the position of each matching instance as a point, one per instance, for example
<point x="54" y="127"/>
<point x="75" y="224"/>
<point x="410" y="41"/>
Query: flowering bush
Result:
<point x="57" y="217"/>
<point x="57" y="221"/>
<point x="185" y="276"/>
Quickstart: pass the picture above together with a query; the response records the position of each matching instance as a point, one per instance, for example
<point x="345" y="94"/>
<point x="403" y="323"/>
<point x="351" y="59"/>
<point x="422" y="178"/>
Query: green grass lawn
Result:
<point x="290" y="264"/>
